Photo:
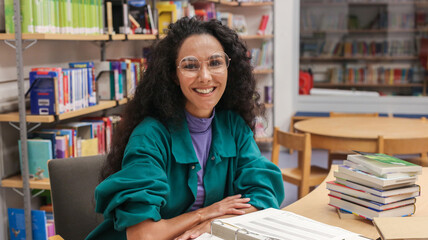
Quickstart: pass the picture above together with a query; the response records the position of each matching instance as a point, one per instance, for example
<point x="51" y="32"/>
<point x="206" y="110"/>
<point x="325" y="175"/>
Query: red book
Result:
<point x="262" y="25"/>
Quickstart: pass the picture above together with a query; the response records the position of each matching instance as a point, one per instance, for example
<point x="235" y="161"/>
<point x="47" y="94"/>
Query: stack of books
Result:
<point x="375" y="185"/>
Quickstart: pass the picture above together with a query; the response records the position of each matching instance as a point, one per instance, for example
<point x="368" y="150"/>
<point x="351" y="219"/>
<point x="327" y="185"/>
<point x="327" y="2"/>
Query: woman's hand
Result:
<point x="232" y="205"/>
<point x="195" y="231"/>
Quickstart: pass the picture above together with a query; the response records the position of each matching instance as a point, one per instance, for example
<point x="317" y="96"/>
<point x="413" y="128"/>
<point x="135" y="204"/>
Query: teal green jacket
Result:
<point x="158" y="179"/>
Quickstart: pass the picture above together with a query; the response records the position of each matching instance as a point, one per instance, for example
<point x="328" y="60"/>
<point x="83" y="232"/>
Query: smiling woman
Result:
<point x="185" y="152"/>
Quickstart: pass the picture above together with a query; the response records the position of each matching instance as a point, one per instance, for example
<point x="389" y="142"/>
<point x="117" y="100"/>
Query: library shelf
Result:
<point x="368" y="85"/>
<point x="71" y="37"/>
<point x="262" y="71"/>
<point x="14" y="116"/>
<point x="361" y="3"/>
<point x="16" y="182"/>
<point x="120" y="37"/>
<point x="122" y="101"/>
<point x="100" y="106"/>
<point x="142" y="37"/>
<point x="388" y="58"/>
<point x="250" y="37"/>
<point x="360" y="31"/>
<point x="264" y="139"/>
<point x="7" y="36"/>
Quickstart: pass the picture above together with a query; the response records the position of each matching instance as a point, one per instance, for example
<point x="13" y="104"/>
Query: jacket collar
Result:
<point x="222" y="144"/>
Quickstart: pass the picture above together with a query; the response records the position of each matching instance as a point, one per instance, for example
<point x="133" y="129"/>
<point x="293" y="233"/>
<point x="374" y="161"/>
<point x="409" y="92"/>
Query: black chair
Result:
<point x="73" y="182"/>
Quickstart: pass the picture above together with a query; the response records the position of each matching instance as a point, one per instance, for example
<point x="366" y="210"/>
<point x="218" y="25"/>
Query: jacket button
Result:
<point x="213" y="157"/>
<point x="193" y="167"/>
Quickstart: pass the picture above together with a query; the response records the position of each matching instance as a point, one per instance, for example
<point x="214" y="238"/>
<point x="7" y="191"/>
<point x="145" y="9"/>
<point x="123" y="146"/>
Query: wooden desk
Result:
<point x="315" y="206"/>
<point x="359" y="133"/>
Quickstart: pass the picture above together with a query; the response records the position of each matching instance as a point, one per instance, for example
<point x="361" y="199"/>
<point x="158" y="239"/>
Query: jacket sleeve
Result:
<point x="256" y="177"/>
<point x="139" y="189"/>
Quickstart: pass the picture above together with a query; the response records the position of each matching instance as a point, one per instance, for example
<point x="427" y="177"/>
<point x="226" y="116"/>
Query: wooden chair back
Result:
<point x="395" y="146"/>
<point x="343" y="114"/>
<point x="305" y="175"/>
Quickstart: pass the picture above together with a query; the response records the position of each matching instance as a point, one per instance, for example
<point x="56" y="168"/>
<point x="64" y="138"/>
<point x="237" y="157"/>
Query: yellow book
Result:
<point x="167" y="13"/>
<point x="89" y="147"/>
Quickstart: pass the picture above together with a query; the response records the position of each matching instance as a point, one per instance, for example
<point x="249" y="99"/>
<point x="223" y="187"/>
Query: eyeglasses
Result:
<point x="217" y="63"/>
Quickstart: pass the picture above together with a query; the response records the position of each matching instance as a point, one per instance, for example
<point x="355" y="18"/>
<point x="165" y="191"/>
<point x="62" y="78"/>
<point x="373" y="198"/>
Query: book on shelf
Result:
<point x="89" y="75"/>
<point x="44" y="93"/>
<point x="41" y="230"/>
<point x="413" y="228"/>
<point x="167" y="14"/>
<point x="274" y="224"/>
<point x="143" y="16"/>
<point x="39" y="152"/>
<point x="370" y="213"/>
<point x="373" y="194"/>
<point x="51" y="136"/>
<point x="373" y="204"/>
<point x="381" y="164"/>
<point x="239" y="24"/>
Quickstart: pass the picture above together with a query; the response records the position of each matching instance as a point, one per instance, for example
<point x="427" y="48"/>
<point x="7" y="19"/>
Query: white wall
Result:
<point x="286" y="65"/>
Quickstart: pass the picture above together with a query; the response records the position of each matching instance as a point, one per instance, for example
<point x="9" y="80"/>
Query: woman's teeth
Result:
<point x="204" y="91"/>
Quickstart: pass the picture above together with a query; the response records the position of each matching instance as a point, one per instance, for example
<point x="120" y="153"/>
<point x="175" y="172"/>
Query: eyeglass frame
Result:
<point x="200" y="62"/>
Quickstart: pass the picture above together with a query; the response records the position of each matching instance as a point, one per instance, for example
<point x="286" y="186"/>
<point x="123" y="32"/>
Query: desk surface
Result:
<point x="364" y="127"/>
<point x="315" y="206"/>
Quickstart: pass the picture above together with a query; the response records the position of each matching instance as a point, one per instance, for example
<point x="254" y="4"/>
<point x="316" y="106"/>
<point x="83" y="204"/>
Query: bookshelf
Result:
<point x="258" y="44"/>
<point x="364" y="45"/>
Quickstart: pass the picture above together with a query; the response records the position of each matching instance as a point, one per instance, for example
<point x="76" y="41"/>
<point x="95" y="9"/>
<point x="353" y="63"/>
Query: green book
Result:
<point x="68" y="18"/>
<point x="45" y="16"/>
<point x="8" y="15"/>
<point x="101" y="16"/>
<point x="61" y="15"/>
<point x="26" y="15"/>
<point x="37" y="9"/>
<point x="56" y="16"/>
<point x="76" y="16"/>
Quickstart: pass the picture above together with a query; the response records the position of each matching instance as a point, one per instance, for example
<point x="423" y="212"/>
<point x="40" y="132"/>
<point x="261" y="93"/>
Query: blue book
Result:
<point x="17" y="224"/>
<point x="39" y="152"/>
<point x="45" y="135"/>
<point x="43" y="93"/>
<point x="91" y="79"/>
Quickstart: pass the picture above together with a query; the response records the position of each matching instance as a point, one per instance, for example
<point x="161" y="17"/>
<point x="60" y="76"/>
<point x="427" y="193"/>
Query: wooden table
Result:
<point x="359" y="133"/>
<point x="315" y="206"/>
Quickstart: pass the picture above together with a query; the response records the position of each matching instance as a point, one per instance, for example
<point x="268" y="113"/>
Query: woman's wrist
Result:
<point x="201" y="216"/>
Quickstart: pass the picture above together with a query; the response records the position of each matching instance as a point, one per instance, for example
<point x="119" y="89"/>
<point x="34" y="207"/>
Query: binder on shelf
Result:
<point x="44" y="93"/>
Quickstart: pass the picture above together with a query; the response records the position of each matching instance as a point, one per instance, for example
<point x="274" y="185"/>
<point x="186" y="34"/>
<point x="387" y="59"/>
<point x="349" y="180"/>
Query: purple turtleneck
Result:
<point x="200" y="131"/>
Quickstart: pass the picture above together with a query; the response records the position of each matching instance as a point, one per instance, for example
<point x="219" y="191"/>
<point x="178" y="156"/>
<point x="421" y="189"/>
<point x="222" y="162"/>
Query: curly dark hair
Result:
<point x="158" y="95"/>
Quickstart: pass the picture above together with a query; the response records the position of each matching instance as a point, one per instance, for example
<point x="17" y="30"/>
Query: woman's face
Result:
<point x="202" y="73"/>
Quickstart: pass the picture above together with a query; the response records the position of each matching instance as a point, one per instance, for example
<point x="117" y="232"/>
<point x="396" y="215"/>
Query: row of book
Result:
<point x="316" y="20"/>
<point x="375" y="185"/>
<point x="42" y="224"/>
<point x="374" y="75"/>
<point x="57" y="16"/>
<point x="90" y="136"/>
<point x="358" y="48"/>
<point x="261" y="58"/>
<point x="60" y="90"/>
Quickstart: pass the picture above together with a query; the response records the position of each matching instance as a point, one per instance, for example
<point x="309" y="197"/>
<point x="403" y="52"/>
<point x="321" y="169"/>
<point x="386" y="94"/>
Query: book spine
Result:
<point x="9" y="16"/>
<point x="27" y="16"/>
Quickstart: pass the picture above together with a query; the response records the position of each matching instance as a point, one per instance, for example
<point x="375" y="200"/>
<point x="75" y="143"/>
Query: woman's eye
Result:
<point x="216" y="63"/>
<point x="191" y="66"/>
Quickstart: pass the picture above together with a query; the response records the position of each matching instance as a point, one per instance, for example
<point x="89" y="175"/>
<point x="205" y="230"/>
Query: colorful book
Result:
<point x="17" y="224"/>
<point x="370" y="213"/>
<point x="51" y="136"/>
<point x="378" y="192"/>
<point x="382" y="163"/>
<point x="39" y="152"/>
<point x="61" y="147"/>
<point x="372" y="204"/>
<point x="411" y="192"/>
<point x="375" y="180"/>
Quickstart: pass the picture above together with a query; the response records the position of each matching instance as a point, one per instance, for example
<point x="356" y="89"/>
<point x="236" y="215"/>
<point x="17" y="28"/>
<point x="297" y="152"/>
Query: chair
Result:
<point x="73" y="182"/>
<point x="305" y="175"/>
<point x="392" y="146"/>
<point x="341" y="155"/>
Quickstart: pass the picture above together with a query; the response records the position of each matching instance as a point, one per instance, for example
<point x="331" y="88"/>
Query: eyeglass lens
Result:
<point x="216" y="63"/>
